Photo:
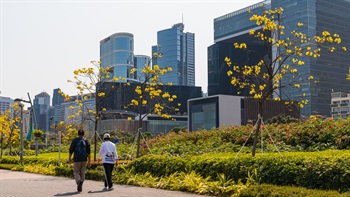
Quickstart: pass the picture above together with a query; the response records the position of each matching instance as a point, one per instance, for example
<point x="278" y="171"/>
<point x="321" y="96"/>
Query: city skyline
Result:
<point x="41" y="37"/>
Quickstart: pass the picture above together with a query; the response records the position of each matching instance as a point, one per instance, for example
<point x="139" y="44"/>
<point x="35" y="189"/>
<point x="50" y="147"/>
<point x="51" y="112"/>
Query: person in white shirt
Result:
<point x="109" y="155"/>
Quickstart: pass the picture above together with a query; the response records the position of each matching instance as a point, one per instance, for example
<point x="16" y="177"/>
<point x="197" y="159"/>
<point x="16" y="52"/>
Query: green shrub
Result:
<point x="158" y="165"/>
<point x="311" y="135"/>
<point x="265" y="190"/>
<point x="7" y="166"/>
<point x="65" y="171"/>
<point x="321" y="170"/>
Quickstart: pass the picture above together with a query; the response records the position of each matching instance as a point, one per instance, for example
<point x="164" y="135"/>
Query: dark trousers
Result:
<point x="108" y="169"/>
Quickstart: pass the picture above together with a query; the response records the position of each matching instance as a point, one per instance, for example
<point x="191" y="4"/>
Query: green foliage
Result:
<point x="38" y="132"/>
<point x="179" y="129"/>
<point x="180" y="181"/>
<point x="266" y="190"/>
<point x="208" y="162"/>
<point x="311" y="135"/>
<point x="322" y="170"/>
<point x="281" y="119"/>
<point x="122" y="136"/>
<point x="7" y="166"/>
<point x="158" y="165"/>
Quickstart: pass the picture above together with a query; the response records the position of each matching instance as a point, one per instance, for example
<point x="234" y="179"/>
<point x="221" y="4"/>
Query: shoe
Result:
<point x="111" y="188"/>
<point x="80" y="186"/>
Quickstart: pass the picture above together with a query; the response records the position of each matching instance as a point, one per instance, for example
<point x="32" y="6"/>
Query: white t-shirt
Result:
<point x="108" y="152"/>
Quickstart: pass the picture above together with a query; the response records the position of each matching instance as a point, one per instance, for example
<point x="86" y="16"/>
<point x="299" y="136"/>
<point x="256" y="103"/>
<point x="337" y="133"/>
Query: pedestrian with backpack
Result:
<point x="80" y="148"/>
<point x="109" y="155"/>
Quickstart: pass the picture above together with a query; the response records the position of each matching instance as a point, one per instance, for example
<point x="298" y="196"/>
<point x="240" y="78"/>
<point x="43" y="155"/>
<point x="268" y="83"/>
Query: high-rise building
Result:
<point x="178" y="52"/>
<point x="340" y="105"/>
<point x="41" y="110"/>
<point x="57" y="98"/>
<point x="317" y="16"/>
<point x="5" y="104"/>
<point x="117" y="53"/>
<point x="140" y="62"/>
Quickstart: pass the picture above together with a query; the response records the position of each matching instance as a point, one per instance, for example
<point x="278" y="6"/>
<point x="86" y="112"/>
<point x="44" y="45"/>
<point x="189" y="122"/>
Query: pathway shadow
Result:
<point x="68" y="194"/>
<point x="98" y="191"/>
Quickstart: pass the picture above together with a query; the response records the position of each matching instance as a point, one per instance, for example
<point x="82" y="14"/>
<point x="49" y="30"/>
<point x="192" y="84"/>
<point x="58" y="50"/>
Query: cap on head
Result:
<point x="106" y="136"/>
<point x="81" y="132"/>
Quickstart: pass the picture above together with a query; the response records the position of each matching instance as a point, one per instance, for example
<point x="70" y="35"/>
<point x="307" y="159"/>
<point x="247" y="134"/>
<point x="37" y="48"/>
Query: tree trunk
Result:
<point x="139" y="130"/>
<point x="139" y="136"/>
<point x="95" y="138"/>
<point x="258" y="126"/>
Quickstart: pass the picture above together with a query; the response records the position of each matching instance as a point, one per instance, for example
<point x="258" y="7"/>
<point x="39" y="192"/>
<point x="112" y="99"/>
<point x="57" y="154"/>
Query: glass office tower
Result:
<point x="178" y="52"/>
<point x="41" y="110"/>
<point x="117" y="52"/>
<point x="140" y="62"/>
<point x="317" y="15"/>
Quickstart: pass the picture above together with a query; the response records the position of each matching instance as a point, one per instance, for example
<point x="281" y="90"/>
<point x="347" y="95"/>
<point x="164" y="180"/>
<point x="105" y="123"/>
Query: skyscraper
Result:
<point x="317" y="16"/>
<point x="57" y="98"/>
<point x="117" y="53"/>
<point x="178" y="52"/>
<point x="140" y="62"/>
<point x="41" y="109"/>
<point x="5" y="104"/>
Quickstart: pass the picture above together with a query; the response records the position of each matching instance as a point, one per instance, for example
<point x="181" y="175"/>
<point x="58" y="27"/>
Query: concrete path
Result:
<point x="22" y="184"/>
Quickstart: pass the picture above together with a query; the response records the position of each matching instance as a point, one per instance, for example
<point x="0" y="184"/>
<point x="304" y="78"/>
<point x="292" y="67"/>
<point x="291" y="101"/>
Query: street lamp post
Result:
<point x="21" y="136"/>
<point x="21" y="129"/>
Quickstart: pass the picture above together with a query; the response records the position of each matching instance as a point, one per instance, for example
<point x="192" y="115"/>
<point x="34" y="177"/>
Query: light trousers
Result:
<point x="79" y="171"/>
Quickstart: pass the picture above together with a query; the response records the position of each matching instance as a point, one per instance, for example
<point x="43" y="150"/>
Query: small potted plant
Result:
<point x="38" y="133"/>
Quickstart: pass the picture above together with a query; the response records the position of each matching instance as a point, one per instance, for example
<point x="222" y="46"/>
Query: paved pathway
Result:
<point x="22" y="184"/>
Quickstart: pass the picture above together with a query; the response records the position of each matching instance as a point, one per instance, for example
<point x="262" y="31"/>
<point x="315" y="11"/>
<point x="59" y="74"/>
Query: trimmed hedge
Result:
<point x="328" y="170"/>
<point x="265" y="190"/>
<point x="47" y="161"/>
<point x="311" y="135"/>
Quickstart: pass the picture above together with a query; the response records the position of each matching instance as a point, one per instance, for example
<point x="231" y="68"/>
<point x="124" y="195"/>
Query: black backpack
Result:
<point x="80" y="150"/>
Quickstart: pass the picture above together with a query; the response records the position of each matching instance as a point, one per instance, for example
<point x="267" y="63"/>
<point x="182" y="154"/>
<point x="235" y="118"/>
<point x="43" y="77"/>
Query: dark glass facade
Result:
<point x="317" y="16"/>
<point x="209" y="112"/>
<point x="218" y="81"/>
<point x="204" y="114"/>
<point x="178" y="52"/>
<point x="117" y="52"/>
<point x="119" y="95"/>
<point x="41" y="109"/>
<point x="57" y="98"/>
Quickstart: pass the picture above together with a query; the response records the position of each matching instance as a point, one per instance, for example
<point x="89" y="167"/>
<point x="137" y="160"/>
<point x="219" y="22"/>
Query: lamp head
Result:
<point x="21" y="100"/>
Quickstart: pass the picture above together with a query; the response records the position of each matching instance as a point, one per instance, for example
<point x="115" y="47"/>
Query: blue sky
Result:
<point x="42" y="42"/>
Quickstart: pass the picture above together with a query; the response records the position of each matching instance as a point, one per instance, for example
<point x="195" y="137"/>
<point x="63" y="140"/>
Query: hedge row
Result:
<point x="311" y="135"/>
<point x="265" y="190"/>
<point x="31" y="163"/>
<point x="329" y="170"/>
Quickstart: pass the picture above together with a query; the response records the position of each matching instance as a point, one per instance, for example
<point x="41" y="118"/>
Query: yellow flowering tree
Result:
<point x="149" y="95"/>
<point x="9" y="130"/>
<point x="278" y="68"/>
<point x="86" y="81"/>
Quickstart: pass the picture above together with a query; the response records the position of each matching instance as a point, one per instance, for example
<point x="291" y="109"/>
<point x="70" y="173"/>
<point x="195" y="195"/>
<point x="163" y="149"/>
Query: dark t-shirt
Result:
<point x="73" y="146"/>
